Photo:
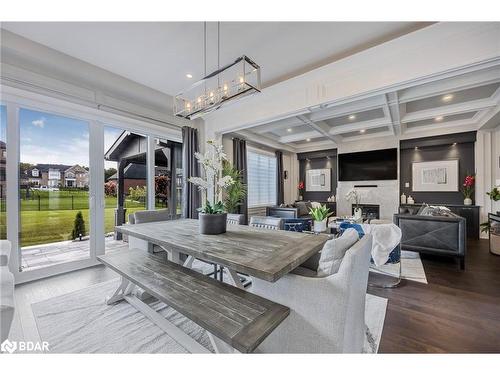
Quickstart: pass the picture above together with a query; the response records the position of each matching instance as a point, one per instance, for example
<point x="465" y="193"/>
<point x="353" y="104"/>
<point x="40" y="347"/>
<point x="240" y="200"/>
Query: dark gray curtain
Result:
<point x="280" y="188"/>
<point x="240" y="162"/>
<point x="190" y="168"/>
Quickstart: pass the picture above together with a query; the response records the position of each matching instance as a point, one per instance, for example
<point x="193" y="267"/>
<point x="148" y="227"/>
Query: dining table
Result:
<point x="257" y="252"/>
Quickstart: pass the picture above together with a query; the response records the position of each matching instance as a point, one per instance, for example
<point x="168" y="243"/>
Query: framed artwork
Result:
<point x="318" y="179"/>
<point x="439" y="175"/>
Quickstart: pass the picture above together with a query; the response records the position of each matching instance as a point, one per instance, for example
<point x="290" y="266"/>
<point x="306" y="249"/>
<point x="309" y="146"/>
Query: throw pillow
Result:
<point x="333" y="252"/>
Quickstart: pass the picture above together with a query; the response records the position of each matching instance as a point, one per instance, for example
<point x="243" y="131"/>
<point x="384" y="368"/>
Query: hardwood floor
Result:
<point x="456" y="312"/>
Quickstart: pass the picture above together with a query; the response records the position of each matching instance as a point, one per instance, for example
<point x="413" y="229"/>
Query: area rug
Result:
<point x="411" y="268"/>
<point x="81" y="322"/>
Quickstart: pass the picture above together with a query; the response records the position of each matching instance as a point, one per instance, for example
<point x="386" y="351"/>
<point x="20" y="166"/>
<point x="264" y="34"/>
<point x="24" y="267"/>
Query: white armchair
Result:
<point x="327" y="314"/>
<point x="6" y="291"/>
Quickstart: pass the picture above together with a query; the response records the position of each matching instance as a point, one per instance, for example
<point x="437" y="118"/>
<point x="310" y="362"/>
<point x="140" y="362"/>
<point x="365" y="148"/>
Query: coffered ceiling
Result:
<point x="461" y="103"/>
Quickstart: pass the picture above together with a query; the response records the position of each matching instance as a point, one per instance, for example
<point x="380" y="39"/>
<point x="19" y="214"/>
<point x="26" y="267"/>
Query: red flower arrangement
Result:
<point x="300" y="186"/>
<point x="468" y="186"/>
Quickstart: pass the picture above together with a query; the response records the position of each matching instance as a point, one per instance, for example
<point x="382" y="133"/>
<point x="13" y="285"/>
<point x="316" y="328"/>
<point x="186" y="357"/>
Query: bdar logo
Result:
<point x="8" y="346"/>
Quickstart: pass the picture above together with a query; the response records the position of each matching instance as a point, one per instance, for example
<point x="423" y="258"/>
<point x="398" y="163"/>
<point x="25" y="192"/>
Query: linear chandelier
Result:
<point x="234" y="81"/>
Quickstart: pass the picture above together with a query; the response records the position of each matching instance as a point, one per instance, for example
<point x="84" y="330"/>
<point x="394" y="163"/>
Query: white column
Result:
<point x="12" y="175"/>
<point x="97" y="201"/>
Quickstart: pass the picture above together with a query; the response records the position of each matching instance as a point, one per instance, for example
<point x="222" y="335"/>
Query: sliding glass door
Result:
<point x="54" y="179"/>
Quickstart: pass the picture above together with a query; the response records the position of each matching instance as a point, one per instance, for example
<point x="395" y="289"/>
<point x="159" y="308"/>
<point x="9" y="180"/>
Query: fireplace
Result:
<point x="369" y="211"/>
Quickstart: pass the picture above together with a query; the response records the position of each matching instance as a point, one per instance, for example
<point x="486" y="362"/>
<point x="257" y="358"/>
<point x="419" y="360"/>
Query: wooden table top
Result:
<point x="265" y="254"/>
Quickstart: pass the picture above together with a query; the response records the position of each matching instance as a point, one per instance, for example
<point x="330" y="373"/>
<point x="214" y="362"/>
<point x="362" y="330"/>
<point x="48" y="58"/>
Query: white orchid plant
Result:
<point x="353" y="196"/>
<point x="212" y="162"/>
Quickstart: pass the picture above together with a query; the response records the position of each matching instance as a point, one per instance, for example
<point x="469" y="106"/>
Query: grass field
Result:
<point x="50" y="218"/>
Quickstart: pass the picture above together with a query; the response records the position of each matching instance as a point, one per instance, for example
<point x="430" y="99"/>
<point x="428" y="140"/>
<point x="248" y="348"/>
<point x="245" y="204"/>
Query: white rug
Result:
<point x="81" y="322"/>
<point x="411" y="267"/>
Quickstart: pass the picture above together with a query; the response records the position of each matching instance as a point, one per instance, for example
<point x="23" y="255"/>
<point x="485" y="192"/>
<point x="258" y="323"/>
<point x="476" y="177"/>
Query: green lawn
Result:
<point x="54" y="221"/>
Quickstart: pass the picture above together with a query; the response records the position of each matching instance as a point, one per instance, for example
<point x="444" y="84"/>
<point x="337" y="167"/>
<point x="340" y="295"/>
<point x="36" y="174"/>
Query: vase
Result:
<point x="320" y="226"/>
<point x="300" y="197"/>
<point x="467" y="201"/>
<point x="212" y="223"/>
<point x="358" y="212"/>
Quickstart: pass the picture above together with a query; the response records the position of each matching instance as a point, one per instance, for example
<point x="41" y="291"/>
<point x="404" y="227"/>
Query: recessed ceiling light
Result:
<point x="189" y="75"/>
<point x="447" y="97"/>
<point x="362" y="130"/>
<point x="308" y="139"/>
<point x="439" y="118"/>
<point x="289" y="130"/>
<point x="416" y="147"/>
<point x="454" y="143"/>
<point x="352" y="117"/>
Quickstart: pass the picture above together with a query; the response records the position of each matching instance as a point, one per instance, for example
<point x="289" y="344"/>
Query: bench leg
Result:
<point x="189" y="262"/>
<point x="124" y="289"/>
<point x="220" y="346"/>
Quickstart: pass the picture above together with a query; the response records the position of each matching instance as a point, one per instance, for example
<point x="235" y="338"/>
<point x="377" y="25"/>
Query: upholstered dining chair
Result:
<point x="266" y="222"/>
<point x="327" y="313"/>
<point x="237" y="219"/>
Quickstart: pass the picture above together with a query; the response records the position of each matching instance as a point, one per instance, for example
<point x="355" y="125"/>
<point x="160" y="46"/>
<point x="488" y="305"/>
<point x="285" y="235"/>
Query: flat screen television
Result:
<point x="369" y="165"/>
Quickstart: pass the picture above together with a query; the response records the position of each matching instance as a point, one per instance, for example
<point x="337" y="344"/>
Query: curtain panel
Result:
<point x="240" y="163"/>
<point x="190" y="168"/>
<point x="280" y="183"/>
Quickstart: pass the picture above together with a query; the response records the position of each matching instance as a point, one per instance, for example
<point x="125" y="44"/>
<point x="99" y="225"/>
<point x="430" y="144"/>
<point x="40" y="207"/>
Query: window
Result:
<point x="261" y="178"/>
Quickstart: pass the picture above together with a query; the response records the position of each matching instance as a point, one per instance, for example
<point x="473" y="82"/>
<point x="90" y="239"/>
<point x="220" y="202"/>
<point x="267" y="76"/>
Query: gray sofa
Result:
<point x="438" y="235"/>
<point x="300" y="211"/>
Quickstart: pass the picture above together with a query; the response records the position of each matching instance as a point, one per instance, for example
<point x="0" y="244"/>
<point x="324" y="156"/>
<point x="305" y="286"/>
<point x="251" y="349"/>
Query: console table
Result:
<point x="470" y="213"/>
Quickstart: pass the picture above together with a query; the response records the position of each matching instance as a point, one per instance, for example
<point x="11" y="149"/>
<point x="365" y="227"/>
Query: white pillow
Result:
<point x="334" y="250"/>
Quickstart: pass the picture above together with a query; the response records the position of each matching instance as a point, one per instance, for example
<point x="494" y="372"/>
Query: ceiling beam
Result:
<point x="441" y="125"/>
<point x="388" y="115"/>
<point x="448" y="110"/>
<point x="321" y="127"/>
<point x="368" y="136"/>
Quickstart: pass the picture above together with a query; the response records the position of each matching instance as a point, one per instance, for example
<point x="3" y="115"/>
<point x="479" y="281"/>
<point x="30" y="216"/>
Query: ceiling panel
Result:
<point x="305" y="142"/>
<point x="461" y="116"/>
<point x="462" y="96"/>
<point x="366" y="132"/>
<point x="357" y="117"/>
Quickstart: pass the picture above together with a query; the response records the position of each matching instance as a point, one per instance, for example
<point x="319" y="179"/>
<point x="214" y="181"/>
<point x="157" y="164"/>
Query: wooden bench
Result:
<point x="231" y="316"/>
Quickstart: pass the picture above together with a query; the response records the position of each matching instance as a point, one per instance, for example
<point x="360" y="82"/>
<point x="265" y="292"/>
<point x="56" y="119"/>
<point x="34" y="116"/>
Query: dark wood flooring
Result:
<point x="456" y="312"/>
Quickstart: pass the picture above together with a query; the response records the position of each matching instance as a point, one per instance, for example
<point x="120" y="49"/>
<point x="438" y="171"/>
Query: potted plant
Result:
<point x="354" y="197"/>
<point x="212" y="216"/>
<point x="468" y="189"/>
<point x="320" y="215"/>
<point x="300" y="186"/>
<point x="236" y="192"/>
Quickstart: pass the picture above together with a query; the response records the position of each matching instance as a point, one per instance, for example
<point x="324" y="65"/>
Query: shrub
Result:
<point x="78" y="227"/>
<point x="110" y="189"/>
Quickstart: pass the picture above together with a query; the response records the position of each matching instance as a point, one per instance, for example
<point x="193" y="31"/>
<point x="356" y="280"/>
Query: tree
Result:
<point x="78" y="227"/>
<point x="108" y="173"/>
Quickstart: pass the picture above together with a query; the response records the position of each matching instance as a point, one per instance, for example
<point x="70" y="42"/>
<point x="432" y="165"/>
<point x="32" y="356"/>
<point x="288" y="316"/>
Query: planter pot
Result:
<point x="320" y="226"/>
<point x="212" y="223"/>
<point x="467" y="201"/>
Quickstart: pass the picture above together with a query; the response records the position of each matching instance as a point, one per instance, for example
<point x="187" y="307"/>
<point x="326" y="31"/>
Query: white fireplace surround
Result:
<point x="385" y="194"/>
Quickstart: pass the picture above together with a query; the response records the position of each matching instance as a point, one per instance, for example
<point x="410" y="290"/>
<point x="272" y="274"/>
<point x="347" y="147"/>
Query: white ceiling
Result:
<point x="159" y="55"/>
<point x="460" y="103"/>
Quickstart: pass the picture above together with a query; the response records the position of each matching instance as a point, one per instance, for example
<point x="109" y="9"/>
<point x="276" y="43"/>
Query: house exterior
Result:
<point x="56" y="175"/>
